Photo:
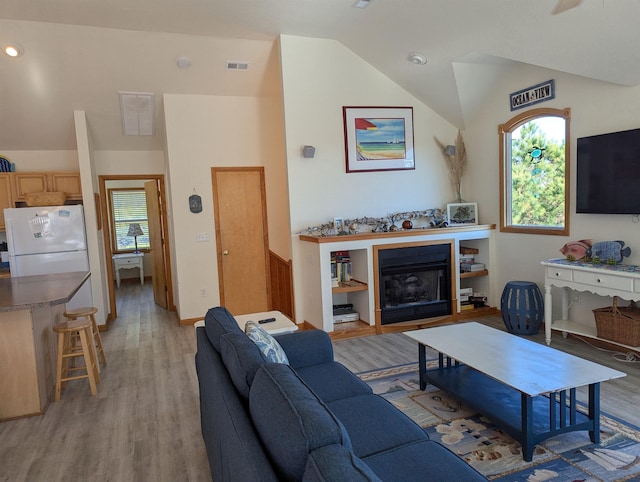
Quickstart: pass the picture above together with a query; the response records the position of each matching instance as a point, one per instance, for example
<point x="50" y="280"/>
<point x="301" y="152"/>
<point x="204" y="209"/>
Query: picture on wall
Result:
<point x="462" y="213"/>
<point x="378" y="138"/>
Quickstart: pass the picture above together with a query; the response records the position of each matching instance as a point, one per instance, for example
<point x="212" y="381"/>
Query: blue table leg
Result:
<point x="594" y="412"/>
<point x="528" y="443"/>
<point x="422" y="365"/>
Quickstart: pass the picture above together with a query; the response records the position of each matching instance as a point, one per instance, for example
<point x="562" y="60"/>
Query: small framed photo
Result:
<point x="462" y="213"/>
<point x="338" y="226"/>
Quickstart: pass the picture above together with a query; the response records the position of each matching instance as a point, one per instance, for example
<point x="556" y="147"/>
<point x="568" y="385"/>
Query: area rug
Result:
<point x="476" y="440"/>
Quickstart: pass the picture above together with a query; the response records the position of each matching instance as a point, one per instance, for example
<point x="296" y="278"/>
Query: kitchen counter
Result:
<point x="29" y="307"/>
<point x="25" y="292"/>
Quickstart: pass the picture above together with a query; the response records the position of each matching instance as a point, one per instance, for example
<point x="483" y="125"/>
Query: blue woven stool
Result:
<point x="522" y="307"/>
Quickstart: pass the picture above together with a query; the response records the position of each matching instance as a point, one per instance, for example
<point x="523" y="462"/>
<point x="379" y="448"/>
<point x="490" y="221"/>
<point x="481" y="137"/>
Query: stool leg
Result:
<point x="61" y="343"/>
<point x="98" y="339"/>
<point x="89" y="360"/>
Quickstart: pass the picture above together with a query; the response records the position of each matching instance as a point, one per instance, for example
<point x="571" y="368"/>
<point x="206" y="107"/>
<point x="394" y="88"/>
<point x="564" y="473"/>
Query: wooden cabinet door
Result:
<point x="67" y="182"/>
<point x="26" y="182"/>
<point x="5" y="196"/>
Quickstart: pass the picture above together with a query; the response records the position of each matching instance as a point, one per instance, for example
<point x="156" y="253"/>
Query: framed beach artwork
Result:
<point x="462" y="213"/>
<point x="378" y="138"/>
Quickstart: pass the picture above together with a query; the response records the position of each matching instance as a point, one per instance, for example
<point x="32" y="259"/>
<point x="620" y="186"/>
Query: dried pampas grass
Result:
<point x="455" y="162"/>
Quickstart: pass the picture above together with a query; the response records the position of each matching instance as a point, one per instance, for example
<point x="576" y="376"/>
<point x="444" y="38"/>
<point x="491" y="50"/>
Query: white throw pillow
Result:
<point x="267" y="344"/>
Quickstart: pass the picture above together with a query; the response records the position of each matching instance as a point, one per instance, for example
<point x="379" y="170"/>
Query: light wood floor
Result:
<point x="144" y="424"/>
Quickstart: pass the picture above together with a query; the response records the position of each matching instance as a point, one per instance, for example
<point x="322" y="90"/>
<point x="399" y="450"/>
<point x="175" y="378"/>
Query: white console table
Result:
<point x="128" y="261"/>
<point x="622" y="280"/>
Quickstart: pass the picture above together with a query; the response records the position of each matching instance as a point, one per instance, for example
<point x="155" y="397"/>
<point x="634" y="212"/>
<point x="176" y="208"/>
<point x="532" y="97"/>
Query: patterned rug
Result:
<point x="566" y="457"/>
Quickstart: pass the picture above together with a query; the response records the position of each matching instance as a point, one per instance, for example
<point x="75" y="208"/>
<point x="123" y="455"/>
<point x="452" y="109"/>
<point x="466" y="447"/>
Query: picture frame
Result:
<point x="460" y="214"/>
<point x="338" y="226"/>
<point x="378" y="138"/>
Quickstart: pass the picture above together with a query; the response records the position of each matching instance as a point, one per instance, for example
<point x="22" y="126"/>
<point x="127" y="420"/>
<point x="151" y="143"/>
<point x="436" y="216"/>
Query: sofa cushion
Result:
<point x="333" y="381"/>
<point x="419" y="461"/>
<point x="336" y="463"/>
<point x="290" y="419"/>
<point x="242" y="358"/>
<point x="267" y="344"/>
<point x="374" y="424"/>
<point x="217" y="322"/>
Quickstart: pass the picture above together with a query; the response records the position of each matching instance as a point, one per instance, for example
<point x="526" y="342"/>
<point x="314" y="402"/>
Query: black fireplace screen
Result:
<point x="415" y="282"/>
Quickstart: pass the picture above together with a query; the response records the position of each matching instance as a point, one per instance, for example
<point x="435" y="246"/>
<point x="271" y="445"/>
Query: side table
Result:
<point x="128" y="261"/>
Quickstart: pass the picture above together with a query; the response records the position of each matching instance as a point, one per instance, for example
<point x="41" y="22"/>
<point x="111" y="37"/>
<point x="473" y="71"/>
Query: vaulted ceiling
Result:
<point x="70" y="64"/>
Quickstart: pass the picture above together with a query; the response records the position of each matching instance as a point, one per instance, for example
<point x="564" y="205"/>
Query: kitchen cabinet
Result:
<point x="27" y="182"/>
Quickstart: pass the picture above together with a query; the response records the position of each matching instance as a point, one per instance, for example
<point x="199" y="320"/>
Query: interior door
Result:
<point x="158" y="265"/>
<point x="242" y="241"/>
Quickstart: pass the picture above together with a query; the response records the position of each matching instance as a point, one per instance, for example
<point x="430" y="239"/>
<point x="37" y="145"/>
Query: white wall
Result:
<point x="596" y="107"/>
<point x="204" y="132"/>
<point x="319" y="78"/>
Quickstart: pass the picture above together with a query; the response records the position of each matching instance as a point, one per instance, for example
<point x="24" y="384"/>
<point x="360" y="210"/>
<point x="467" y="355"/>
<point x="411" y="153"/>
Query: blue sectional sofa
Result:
<point x="309" y="420"/>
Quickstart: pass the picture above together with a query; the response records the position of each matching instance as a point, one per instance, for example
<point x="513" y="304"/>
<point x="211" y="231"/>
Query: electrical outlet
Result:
<point x="200" y="237"/>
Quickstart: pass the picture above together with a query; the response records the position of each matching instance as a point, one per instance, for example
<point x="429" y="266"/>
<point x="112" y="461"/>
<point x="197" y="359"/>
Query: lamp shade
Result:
<point x="135" y="230"/>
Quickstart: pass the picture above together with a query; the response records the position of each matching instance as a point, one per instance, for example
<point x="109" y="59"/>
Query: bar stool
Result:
<point x="68" y="350"/>
<point x="88" y="313"/>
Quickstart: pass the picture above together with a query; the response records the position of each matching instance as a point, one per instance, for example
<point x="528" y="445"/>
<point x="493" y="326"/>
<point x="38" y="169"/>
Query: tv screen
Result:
<point x="608" y="173"/>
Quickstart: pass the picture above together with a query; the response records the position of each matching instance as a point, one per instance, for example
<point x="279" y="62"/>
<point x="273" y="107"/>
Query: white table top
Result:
<point x="529" y="367"/>
<point x="127" y="255"/>
<point x="282" y="324"/>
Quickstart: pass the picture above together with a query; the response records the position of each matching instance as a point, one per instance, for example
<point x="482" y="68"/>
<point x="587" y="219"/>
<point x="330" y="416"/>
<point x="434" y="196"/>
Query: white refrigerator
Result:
<point x="49" y="240"/>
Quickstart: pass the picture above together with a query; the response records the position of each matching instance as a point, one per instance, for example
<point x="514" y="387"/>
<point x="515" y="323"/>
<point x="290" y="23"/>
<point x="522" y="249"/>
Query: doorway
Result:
<point x="154" y="243"/>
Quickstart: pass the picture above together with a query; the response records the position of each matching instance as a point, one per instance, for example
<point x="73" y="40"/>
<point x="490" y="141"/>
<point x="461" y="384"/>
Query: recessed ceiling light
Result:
<point x="12" y="50"/>
<point x="362" y="4"/>
<point x="417" y="58"/>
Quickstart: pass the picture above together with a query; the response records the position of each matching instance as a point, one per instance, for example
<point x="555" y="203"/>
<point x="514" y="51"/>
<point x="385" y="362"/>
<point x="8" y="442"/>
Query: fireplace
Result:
<point x="414" y="282"/>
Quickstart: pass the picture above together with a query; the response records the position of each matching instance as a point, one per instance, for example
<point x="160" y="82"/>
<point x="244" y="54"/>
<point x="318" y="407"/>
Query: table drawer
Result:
<point x="124" y="261"/>
<point x="604" y="280"/>
<point x="559" y="273"/>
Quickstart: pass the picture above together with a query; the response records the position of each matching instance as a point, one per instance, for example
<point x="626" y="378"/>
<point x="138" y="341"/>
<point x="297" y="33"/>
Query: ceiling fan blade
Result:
<point x="564" y="5"/>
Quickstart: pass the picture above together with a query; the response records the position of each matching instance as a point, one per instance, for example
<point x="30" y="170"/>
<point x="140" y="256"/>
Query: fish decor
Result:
<point x="576" y="249"/>
<point x="607" y="250"/>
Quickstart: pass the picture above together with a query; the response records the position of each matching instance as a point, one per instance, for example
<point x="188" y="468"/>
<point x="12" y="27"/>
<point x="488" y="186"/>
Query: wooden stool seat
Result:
<point x="88" y="313"/>
<point x="68" y="350"/>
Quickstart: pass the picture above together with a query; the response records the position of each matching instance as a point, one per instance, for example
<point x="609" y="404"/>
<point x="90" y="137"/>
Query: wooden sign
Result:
<point x="533" y="95"/>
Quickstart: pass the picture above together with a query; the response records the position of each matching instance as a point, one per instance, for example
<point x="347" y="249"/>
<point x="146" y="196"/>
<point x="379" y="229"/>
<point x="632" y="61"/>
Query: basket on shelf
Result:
<point x="619" y="324"/>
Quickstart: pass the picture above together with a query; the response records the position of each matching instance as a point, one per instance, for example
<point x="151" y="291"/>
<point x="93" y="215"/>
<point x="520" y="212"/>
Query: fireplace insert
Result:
<point x="414" y="282"/>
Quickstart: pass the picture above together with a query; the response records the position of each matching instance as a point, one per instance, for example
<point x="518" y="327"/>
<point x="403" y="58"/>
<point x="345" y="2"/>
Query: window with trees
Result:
<point x="128" y="205"/>
<point x="534" y="172"/>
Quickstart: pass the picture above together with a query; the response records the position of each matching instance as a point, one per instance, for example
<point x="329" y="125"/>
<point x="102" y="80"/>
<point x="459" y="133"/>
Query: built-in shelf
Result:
<point x="474" y="274"/>
<point x="350" y="286"/>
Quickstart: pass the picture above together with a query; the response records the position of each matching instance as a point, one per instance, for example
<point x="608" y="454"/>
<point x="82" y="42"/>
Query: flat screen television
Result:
<point x="608" y="173"/>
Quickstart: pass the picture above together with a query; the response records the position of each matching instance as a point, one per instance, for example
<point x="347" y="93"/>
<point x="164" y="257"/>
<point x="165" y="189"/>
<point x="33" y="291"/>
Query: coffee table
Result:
<point x="524" y="387"/>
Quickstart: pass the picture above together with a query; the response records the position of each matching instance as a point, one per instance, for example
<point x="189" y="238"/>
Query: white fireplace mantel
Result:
<point x="319" y="296"/>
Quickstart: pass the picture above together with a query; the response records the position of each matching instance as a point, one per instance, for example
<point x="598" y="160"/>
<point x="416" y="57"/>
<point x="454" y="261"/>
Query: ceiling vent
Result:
<point x="137" y="109"/>
<point x="237" y="65"/>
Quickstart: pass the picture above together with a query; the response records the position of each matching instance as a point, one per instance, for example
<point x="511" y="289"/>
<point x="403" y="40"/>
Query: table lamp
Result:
<point x="135" y="230"/>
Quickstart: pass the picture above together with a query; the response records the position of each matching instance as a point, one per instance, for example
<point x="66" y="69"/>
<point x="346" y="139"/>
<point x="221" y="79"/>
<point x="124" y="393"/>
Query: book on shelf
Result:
<point x="471" y="267"/>
<point x="340" y="266"/>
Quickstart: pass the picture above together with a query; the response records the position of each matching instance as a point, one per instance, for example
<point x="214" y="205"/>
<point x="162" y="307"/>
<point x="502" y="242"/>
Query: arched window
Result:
<point x="534" y="172"/>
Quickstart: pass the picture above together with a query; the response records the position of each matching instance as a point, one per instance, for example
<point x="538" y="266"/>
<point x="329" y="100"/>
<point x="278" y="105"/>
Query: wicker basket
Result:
<point x="45" y="198"/>
<point x="621" y="325"/>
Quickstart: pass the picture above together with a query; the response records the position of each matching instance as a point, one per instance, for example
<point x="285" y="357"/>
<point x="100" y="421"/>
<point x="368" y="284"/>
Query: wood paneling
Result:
<point x="281" y="285"/>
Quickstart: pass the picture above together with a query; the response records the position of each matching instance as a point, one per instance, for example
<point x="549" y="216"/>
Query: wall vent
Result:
<point x="237" y="65"/>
